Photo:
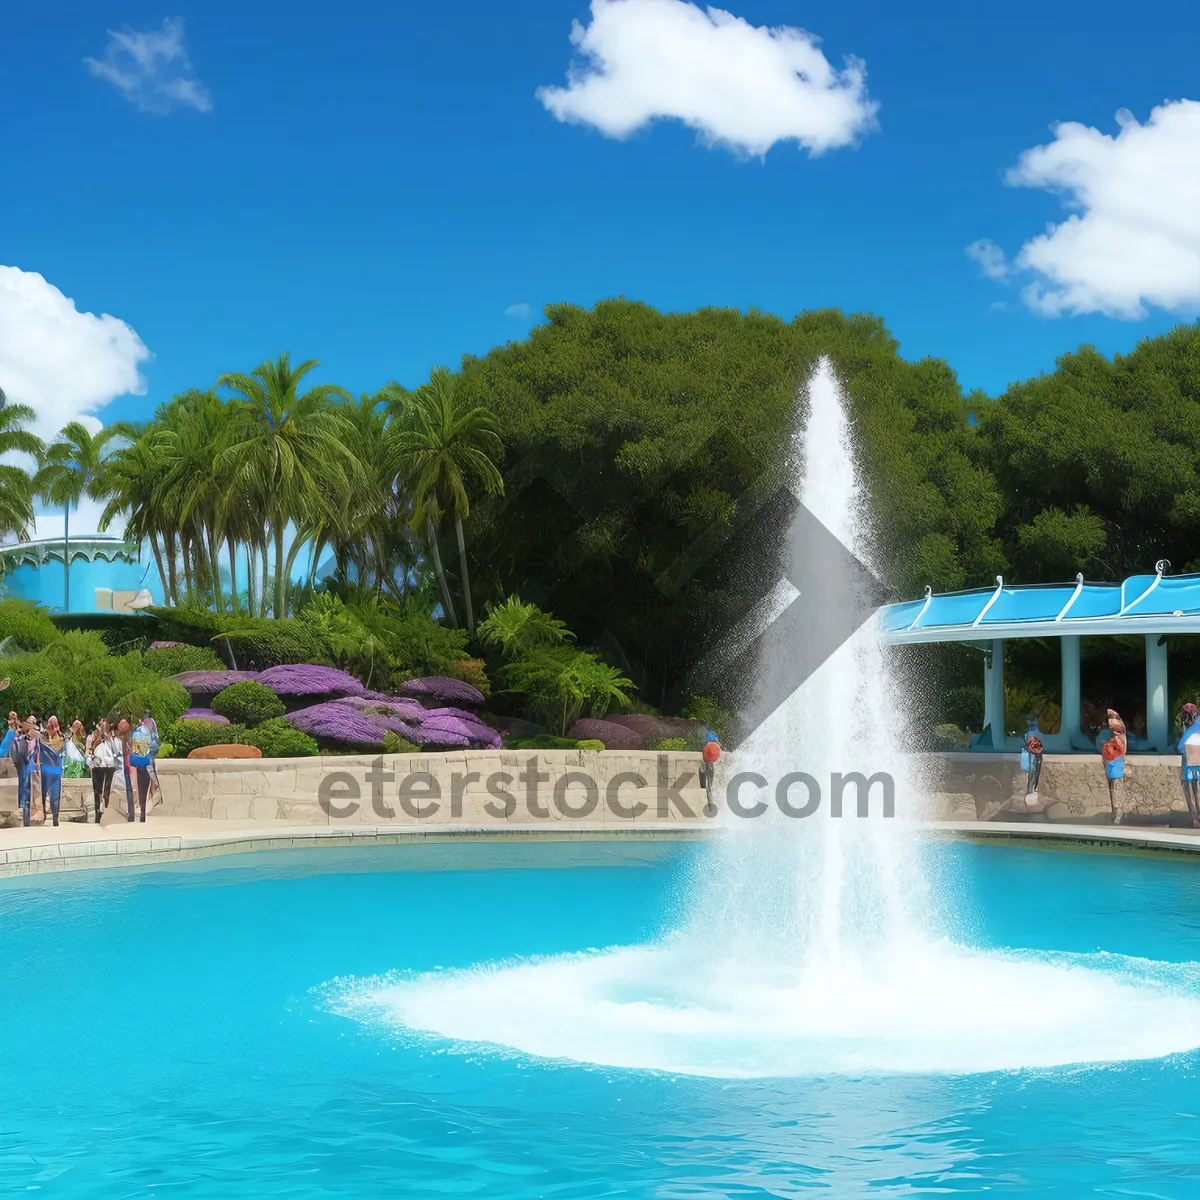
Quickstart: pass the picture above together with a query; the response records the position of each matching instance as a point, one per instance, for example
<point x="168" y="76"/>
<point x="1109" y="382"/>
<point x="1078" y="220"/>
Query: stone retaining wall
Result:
<point x="963" y="786"/>
<point x="1072" y="789"/>
<point x="607" y="787"/>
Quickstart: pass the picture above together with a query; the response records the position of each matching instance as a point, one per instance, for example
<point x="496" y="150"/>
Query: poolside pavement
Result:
<point x="76" y="846"/>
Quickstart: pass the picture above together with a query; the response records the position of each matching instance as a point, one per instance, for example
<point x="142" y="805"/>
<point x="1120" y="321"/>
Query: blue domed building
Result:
<point x="107" y="574"/>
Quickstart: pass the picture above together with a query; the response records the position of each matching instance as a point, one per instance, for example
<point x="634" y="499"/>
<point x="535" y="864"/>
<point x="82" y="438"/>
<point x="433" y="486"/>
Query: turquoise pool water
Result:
<point x="184" y="1032"/>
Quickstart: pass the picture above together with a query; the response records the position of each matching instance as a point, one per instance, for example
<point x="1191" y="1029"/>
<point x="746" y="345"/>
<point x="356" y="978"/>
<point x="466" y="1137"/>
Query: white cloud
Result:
<point x="63" y="363"/>
<point x="990" y="258"/>
<point x="151" y="69"/>
<point x="740" y="86"/>
<point x="85" y="520"/>
<point x="521" y="310"/>
<point x="1133" y="241"/>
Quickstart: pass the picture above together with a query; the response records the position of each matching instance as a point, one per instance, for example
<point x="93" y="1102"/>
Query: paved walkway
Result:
<point x="74" y="846"/>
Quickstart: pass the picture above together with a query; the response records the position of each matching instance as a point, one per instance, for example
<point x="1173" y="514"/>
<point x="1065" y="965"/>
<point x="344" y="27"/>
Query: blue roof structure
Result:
<point x="1142" y="604"/>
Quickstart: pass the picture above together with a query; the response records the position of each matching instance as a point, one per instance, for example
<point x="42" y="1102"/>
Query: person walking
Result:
<point x="1189" y="767"/>
<point x="21" y="753"/>
<point x="103" y="754"/>
<point x="143" y="749"/>
<point x="75" y="753"/>
<point x="123" y="734"/>
<point x="1031" y="760"/>
<point x="37" y="805"/>
<point x="50" y="766"/>
<point x="1112" y="753"/>
<point x="10" y="732"/>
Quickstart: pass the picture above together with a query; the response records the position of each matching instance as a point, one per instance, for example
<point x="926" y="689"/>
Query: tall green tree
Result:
<point x="16" y="487"/>
<point x="444" y="444"/>
<point x="133" y="483"/>
<point x="1098" y="462"/>
<point x="73" y="466"/>
<point x="291" y="449"/>
<point x="646" y="458"/>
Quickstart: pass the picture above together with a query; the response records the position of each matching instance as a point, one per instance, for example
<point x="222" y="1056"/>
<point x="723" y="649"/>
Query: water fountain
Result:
<point x="812" y="946"/>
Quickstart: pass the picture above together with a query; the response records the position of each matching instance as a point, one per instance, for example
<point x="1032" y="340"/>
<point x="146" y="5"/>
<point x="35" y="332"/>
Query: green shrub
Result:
<point x="471" y="670"/>
<point x="75" y="648"/>
<point x="543" y="741"/>
<point x="670" y="744"/>
<point x="255" y="642"/>
<point x="716" y="718"/>
<point x="186" y="623"/>
<point x="164" y="699"/>
<point x="261" y="642"/>
<point x="77" y="676"/>
<point x="590" y="744"/>
<point x="119" y="631"/>
<point x="37" y="686"/>
<point x="27" y="624"/>
<point x="166" y="750"/>
<point x="186" y="736"/>
<point x="174" y="660"/>
<point x="393" y="743"/>
<point x="277" y="739"/>
<point x="248" y="703"/>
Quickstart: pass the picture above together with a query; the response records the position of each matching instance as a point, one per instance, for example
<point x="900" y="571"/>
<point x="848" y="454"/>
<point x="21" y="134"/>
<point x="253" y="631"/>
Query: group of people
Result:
<point x="43" y="755"/>
<point x="1114" y="745"/>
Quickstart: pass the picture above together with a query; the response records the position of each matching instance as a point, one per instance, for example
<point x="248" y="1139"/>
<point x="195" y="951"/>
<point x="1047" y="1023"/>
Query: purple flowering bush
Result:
<point x="399" y="706"/>
<point x="441" y="688"/>
<point x="353" y="722"/>
<point x="338" y="723"/>
<point x="653" y="730"/>
<point x="204" y="714"/>
<point x="614" y="736"/>
<point x="209" y="683"/>
<point x="307" y="679"/>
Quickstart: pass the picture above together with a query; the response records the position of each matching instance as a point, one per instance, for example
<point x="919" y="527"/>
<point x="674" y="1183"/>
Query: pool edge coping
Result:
<point x="54" y="857"/>
<point x="49" y="857"/>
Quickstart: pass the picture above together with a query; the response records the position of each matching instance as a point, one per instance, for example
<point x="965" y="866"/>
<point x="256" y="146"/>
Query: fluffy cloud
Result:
<point x="1133" y="241"/>
<point x="990" y="258"/>
<point x="61" y="362"/>
<point x="738" y="85"/>
<point x="151" y="69"/>
<point x="521" y="311"/>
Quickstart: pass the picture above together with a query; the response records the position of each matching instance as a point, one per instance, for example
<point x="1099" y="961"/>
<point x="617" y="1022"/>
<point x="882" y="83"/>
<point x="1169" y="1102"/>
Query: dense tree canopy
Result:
<point x="1099" y="462"/>
<point x="639" y="445"/>
<point x="625" y="470"/>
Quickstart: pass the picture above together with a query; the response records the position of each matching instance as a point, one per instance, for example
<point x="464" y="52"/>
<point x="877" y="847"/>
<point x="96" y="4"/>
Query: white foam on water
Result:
<point x="669" y="1008"/>
<point x="817" y="945"/>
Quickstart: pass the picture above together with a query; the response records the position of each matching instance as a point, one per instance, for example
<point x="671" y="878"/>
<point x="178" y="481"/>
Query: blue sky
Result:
<point x="380" y="187"/>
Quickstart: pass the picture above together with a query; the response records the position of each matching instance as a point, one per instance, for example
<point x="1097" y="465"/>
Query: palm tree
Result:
<point x="133" y="481"/>
<point x="195" y="429"/>
<point x="73" y="466"/>
<point x="289" y="448"/>
<point x="442" y="445"/>
<point x="16" y="489"/>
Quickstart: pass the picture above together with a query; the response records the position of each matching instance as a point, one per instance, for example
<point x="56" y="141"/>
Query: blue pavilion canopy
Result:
<point x="1142" y="604"/>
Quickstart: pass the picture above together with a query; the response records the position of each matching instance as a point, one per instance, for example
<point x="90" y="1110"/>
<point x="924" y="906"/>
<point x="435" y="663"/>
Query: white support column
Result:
<point x="1071" y="704"/>
<point x="993" y="694"/>
<point x="1158" y="726"/>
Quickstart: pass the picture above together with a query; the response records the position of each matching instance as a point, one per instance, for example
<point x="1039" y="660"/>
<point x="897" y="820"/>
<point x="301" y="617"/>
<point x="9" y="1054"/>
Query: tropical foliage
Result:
<point x="250" y="703"/>
<point x="556" y="682"/>
<point x="72" y="467"/>
<point x="76" y="674"/>
<point x="16" y="488"/>
<point x="625" y="470"/>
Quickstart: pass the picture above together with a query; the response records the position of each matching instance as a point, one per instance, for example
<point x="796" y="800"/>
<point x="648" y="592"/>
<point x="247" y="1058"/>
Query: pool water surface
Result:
<point x="178" y="1031"/>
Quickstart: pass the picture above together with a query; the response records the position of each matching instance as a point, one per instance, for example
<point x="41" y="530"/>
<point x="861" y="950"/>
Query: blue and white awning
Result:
<point x="1142" y="604"/>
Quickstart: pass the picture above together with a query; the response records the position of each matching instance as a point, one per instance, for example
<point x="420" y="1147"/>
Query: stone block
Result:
<point x="225" y="752"/>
